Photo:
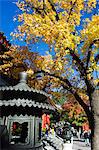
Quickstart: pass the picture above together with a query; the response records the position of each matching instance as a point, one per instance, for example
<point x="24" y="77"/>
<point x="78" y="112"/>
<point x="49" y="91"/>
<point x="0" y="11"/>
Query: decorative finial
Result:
<point x="23" y="77"/>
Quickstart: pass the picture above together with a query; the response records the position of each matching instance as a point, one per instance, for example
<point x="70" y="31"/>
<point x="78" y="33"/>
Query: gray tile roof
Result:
<point x="25" y="102"/>
<point x="22" y="86"/>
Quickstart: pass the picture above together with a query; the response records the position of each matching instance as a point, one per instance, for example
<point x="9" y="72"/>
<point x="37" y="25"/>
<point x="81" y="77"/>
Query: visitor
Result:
<point x="47" y="130"/>
<point x="86" y="137"/>
<point x="59" y="131"/>
<point x="53" y="130"/>
<point x="67" y="134"/>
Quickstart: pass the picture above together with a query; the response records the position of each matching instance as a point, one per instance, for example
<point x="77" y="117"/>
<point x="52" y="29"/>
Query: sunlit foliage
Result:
<point x="70" y="28"/>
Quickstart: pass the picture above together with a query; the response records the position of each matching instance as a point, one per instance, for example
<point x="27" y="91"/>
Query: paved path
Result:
<point x="80" y="145"/>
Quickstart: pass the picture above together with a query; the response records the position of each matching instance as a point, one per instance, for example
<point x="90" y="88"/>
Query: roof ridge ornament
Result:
<point x="23" y="77"/>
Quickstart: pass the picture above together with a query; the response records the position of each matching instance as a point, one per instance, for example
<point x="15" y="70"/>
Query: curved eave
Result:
<point x="22" y="88"/>
<point x="24" y="103"/>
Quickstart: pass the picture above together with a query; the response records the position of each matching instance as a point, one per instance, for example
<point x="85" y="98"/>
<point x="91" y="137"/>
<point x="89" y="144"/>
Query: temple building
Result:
<point x="21" y="110"/>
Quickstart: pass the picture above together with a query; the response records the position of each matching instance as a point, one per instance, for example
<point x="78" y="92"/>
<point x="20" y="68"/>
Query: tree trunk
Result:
<point x="90" y="117"/>
<point x="95" y="111"/>
<point x="91" y="125"/>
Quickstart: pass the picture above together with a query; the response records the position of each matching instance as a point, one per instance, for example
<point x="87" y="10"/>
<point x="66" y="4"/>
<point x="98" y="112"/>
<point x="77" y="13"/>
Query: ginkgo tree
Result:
<point x="70" y="28"/>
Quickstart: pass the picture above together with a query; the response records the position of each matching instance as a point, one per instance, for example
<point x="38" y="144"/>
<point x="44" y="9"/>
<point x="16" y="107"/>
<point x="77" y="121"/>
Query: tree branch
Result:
<point x="71" y="10"/>
<point x="81" y="67"/>
<point x="97" y="58"/>
<point x="58" y="77"/>
<point x="81" y="102"/>
<point x="37" y="9"/>
<point x="88" y="58"/>
<point x="89" y="53"/>
<point x="67" y="85"/>
<point x="53" y="8"/>
<point x="82" y="70"/>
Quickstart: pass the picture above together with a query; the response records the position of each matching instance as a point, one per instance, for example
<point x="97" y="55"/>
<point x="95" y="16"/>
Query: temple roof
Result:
<point x="23" y="87"/>
<point x="22" y="95"/>
<point x="25" y="102"/>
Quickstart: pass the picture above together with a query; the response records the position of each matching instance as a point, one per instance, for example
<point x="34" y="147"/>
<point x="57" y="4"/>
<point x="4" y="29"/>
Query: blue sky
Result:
<point x="8" y="10"/>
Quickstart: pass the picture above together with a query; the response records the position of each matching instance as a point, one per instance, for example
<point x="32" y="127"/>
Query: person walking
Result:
<point x="47" y="130"/>
<point x="86" y="137"/>
<point x="53" y="130"/>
